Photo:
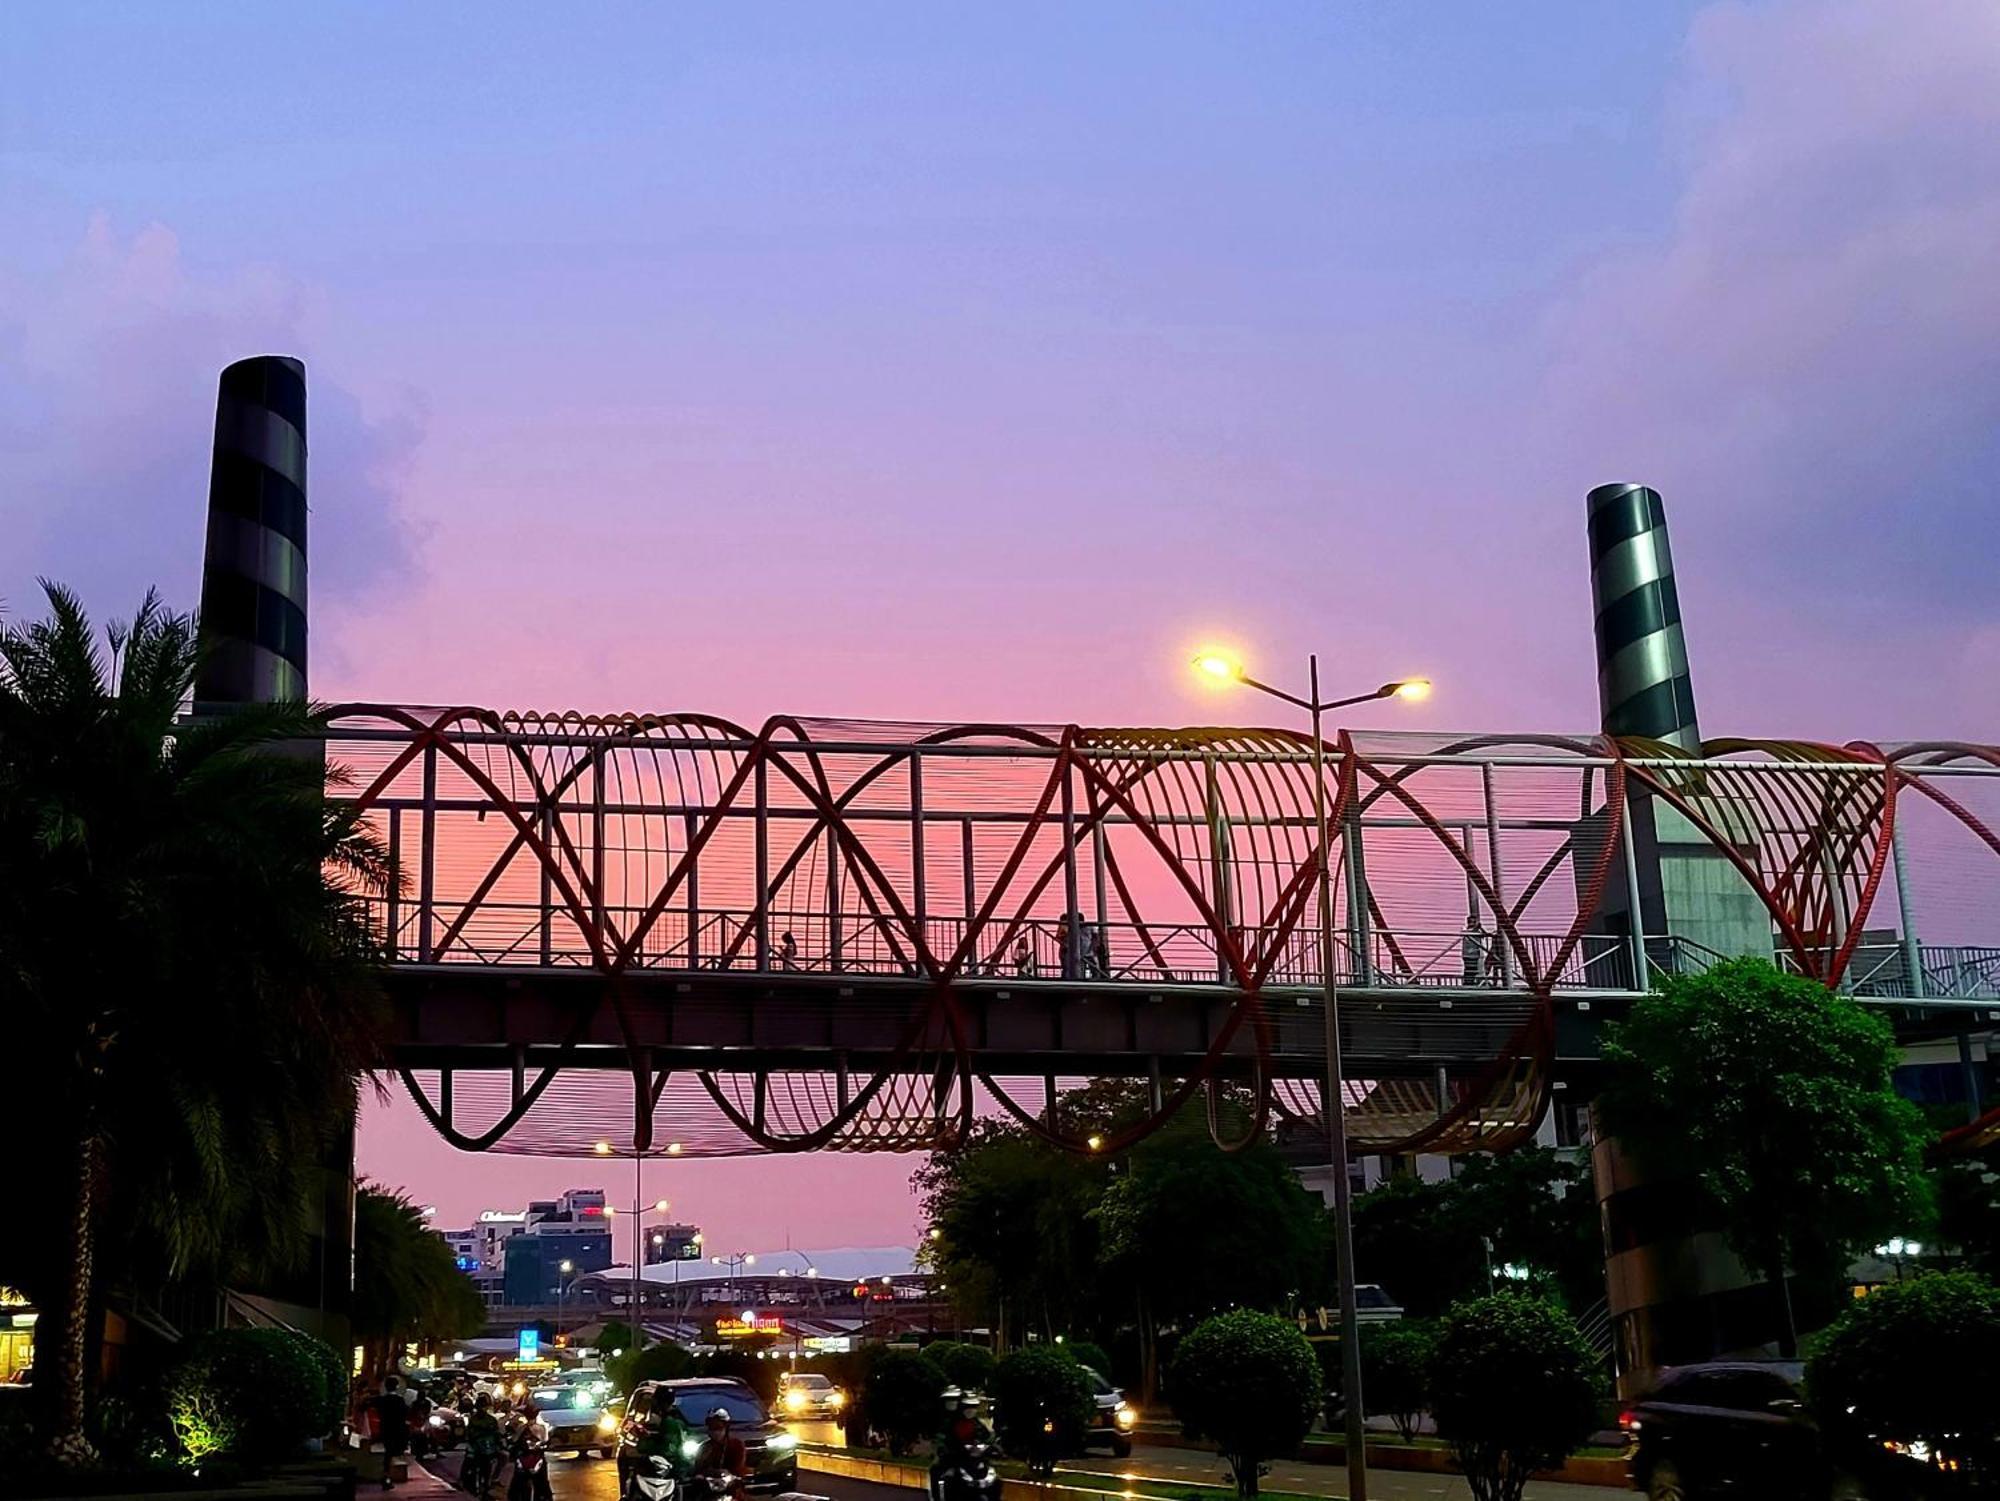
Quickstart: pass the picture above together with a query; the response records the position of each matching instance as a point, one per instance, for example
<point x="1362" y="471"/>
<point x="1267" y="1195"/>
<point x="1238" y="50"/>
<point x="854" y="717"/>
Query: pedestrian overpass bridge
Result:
<point x="671" y="934"/>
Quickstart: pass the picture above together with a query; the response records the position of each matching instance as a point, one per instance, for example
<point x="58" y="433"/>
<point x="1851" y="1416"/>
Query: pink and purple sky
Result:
<point x="972" y="361"/>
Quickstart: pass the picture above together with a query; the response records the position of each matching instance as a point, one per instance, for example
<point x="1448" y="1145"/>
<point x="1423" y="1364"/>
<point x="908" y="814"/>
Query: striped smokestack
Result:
<point x="1642" y="664"/>
<point x="253" y="579"/>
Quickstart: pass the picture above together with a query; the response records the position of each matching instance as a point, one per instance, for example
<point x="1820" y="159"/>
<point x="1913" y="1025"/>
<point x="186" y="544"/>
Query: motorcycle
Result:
<point x="475" y="1473"/>
<point x="531" y="1465"/>
<point x="652" y="1479"/>
<point x="719" y="1486"/>
<point x="966" y="1475"/>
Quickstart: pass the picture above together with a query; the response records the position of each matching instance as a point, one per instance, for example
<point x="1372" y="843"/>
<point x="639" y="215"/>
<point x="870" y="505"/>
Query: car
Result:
<point x="808" y="1394"/>
<point x="772" y="1449"/>
<point x="1741" y="1428"/>
<point x="572" y="1403"/>
<point x="1114" y="1418"/>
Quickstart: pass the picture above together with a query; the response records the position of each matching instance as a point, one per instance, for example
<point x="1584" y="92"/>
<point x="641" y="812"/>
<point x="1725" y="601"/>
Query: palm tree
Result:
<point x="186" y="967"/>
<point x="406" y="1284"/>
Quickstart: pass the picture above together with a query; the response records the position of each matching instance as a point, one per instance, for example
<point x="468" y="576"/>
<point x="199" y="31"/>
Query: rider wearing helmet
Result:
<point x="723" y="1453"/>
<point x="962" y="1430"/>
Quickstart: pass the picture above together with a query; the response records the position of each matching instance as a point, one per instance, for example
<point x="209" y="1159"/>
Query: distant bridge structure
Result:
<point x="672" y="934"/>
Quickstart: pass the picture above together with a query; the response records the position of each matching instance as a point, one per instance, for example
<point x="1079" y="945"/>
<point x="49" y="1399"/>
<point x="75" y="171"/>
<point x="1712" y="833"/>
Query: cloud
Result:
<point x="108" y="364"/>
<point x="1811" y="348"/>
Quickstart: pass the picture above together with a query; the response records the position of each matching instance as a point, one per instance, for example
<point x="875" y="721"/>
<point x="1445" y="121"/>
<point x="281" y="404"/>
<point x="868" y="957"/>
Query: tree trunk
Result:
<point x="1788" y="1333"/>
<point x="70" y="1444"/>
<point x="1149" y="1355"/>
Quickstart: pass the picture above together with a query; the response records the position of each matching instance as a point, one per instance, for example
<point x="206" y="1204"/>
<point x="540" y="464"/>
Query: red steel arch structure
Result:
<point x="674" y="933"/>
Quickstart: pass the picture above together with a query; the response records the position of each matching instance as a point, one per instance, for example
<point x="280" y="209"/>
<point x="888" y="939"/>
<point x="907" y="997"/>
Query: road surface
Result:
<point x="597" y="1479"/>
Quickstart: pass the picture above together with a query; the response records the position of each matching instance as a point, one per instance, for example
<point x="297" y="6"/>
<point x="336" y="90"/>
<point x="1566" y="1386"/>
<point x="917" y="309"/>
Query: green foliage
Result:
<point x="333" y="1378"/>
<point x="615" y="1334"/>
<point x="1262" y="1236"/>
<point x="190" y="986"/>
<point x="1916" y="1362"/>
<point x="1777" y="1094"/>
<point x="1084" y="1352"/>
<point x="1968" y="1214"/>
<point x="654" y="1363"/>
<point x="903" y="1396"/>
<point x="1426" y="1243"/>
<point x="1513" y="1390"/>
<point x="1250" y="1382"/>
<point x="255" y="1394"/>
<point x="1015" y="1242"/>
<point x="1396" y="1371"/>
<point x="406" y="1284"/>
<point x="964" y="1365"/>
<point x="1043" y="1406"/>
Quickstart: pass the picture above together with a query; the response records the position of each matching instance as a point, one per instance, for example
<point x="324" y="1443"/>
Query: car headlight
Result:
<point x="519" y="1387"/>
<point x="795" y="1401"/>
<point x="1124" y="1416"/>
<point x="606" y="1423"/>
<point x="690" y="1447"/>
<point x="837" y="1399"/>
<point x="783" y="1441"/>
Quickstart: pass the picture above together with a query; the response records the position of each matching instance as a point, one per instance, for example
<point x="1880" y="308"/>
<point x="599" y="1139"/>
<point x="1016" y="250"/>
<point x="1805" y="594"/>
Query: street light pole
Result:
<point x="1227" y="669"/>
<point x="1335" y="1111"/>
<point x="638" y="1249"/>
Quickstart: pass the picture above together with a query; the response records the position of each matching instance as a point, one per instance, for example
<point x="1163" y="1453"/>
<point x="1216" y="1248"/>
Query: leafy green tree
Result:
<point x="1250" y="1382"/>
<point x="1413" y="1239"/>
<point x="1917" y="1363"/>
<point x="406" y="1284"/>
<point x="661" y="1362"/>
<point x="1513" y="1390"/>
<point x="1043" y="1404"/>
<point x="1191" y="1229"/>
<point x="189" y="981"/>
<point x="1012" y="1234"/>
<point x="903" y="1396"/>
<point x="251" y="1393"/>
<point x="1968" y="1215"/>
<point x="615" y="1334"/>
<point x="1777" y="1094"/>
<point x="1396" y="1365"/>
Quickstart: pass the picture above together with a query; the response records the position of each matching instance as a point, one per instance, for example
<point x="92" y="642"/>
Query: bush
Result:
<point x="654" y="1363"/>
<point x="1396" y="1372"/>
<point x="1251" y="1383"/>
<point x="1083" y="1352"/>
<point x="1513" y="1390"/>
<point x="904" y="1398"/>
<point x="1916" y="1363"/>
<point x="333" y="1373"/>
<point x="1043" y="1406"/>
<point x="251" y="1393"/>
<point x="969" y="1367"/>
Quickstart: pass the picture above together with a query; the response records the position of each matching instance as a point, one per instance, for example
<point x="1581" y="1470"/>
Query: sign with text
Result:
<point x="530" y="1347"/>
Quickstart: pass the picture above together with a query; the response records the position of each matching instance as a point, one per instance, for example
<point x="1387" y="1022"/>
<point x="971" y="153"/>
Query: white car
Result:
<point x="808" y="1394"/>
<point x="572" y="1403"/>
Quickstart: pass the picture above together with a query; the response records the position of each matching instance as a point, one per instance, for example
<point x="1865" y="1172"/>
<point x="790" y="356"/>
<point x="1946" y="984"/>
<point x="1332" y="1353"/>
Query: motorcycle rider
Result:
<point x="530" y="1453"/>
<point x="963" y="1433"/>
<point x="723" y="1454"/>
<point x="660" y="1437"/>
<point x="482" y="1446"/>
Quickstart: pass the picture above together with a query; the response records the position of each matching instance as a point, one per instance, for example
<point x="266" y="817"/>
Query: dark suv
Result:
<point x="1731" y="1428"/>
<point x="772" y="1451"/>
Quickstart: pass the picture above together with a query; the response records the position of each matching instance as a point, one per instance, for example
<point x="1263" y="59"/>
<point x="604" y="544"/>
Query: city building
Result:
<point x="666" y="1243"/>
<point x="573" y="1229"/>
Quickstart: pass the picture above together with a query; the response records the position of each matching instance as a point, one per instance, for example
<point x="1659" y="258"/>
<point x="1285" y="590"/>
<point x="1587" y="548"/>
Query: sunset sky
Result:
<point x="974" y="361"/>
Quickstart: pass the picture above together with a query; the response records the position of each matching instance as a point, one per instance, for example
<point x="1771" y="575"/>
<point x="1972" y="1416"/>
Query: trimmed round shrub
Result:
<point x="1043" y="1406"/>
<point x="251" y="1393"/>
<point x="1513" y="1390"/>
<point x="333" y="1373"/>
<point x="1250" y="1383"/>
<point x="1396" y="1372"/>
<point x="969" y="1367"/>
<point x="904" y="1398"/>
<point x="1083" y="1352"/>
<point x="1917" y="1363"/>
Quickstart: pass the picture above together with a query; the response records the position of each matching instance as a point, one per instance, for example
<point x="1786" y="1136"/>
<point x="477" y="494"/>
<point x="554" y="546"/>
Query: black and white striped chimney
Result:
<point x="253" y="578"/>
<point x="1642" y="663"/>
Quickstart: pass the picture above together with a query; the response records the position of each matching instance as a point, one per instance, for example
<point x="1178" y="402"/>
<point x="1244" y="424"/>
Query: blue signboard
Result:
<point x="531" y="1344"/>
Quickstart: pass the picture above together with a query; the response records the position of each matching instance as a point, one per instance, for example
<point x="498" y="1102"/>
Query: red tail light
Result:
<point x="1628" y="1420"/>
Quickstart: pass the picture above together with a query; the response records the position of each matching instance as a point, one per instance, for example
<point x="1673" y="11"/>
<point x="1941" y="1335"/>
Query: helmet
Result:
<point x="720" y="1415"/>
